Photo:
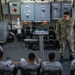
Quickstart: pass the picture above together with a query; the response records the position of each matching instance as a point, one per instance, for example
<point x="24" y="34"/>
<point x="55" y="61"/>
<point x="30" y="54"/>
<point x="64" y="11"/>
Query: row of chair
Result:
<point x="49" y="40"/>
<point x="28" y="71"/>
<point x="45" y="29"/>
<point x="5" y="72"/>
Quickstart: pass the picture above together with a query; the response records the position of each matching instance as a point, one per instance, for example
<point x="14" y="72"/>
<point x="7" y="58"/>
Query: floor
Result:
<point x="16" y="51"/>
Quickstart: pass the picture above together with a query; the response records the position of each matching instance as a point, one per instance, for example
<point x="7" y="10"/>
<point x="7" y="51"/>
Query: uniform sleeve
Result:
<point x="57" y="31"/>
<point x="23" y="62"/>
<point x="8" y="65"/>
<point x="9" y="62"/>
<point x="11" y="67"/>
<point x="37" y="62"/>
<point x="73" y="64"/>
<point x="44" y="65"/>
<point x="60" y="66"/>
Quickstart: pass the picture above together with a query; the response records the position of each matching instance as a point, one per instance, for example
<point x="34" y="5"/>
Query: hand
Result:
<point x="36" y="55"/>
<point x="15" y="63"/>
<point x="58" y="38"/>
<point x="40" y="61"/>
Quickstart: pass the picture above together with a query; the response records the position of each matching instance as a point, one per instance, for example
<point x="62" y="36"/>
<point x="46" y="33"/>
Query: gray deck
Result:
<point x="16" y="51"/>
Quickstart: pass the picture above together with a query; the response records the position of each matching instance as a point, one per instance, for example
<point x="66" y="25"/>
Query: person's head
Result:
<point x="66" y="15"/>
<point x="31" y="56"/>
<point x="51" y="56"/>
<point x="1" y="55"/>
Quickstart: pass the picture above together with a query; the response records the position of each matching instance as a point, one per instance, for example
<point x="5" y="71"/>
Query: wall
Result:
<point x="14" y="18"/>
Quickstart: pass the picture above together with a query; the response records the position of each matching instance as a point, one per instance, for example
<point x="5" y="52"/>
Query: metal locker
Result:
<point x="5" y="8"/>
<point x="55" y="10"/>
<point x="3" y="31"/>
<point x="66" y="6"/>
<point x="42" y="12"/>
<point x="27" y="12"/>
<point x="14" y="8"/>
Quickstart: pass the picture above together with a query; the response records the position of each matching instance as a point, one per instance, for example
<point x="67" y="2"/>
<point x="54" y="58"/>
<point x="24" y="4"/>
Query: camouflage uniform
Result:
<point x="65" y="32"/>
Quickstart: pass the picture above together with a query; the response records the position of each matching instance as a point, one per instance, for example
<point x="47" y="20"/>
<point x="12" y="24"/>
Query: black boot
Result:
<point x="71" y="57"/>
<point x="61" y="59"/>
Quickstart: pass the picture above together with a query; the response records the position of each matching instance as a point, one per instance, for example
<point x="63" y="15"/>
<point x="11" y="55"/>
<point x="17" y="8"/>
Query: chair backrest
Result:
<point x="5" y="72"/>
<point x="51" y="27"/>
<point x="51" y="32"/>
<point x="52" y="72"/>
<point x="27" y="32"/>
<point x="27" y="28"/>
<point x="72" y="72"/>
<point x="26" y="71"/>
<point x="33" y="28"/>
<point x="45" y="29"/>
<point x="2" y="72"/>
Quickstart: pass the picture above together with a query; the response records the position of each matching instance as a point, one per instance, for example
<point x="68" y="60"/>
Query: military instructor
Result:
<point x="65" y="34"/>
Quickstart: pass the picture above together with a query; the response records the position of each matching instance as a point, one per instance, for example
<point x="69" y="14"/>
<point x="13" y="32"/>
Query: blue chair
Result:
<point x="45" y="29"/>
<point x="39" y="29"/>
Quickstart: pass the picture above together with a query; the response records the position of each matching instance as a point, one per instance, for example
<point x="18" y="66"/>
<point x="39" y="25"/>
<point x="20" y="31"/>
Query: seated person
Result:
<point x="30" y="63"/>
<point x="7" y="65"/>
<point x="52" y="64"/>
<point x="72" y="66"/>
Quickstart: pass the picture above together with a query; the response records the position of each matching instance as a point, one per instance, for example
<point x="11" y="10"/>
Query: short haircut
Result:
<point x="66" y="13"/>
<point x="31" y="56"/>
<point x="51" y="56"/>
<point x="1" y="53"/>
